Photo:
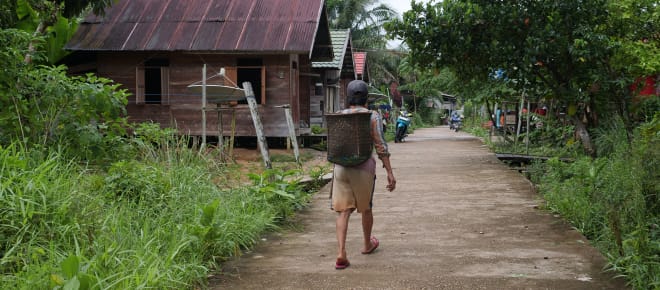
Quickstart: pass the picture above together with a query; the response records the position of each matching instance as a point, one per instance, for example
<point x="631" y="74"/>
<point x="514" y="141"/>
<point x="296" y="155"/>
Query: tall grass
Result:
<point x="613" y="200"/>
<point x="157" y="221"/>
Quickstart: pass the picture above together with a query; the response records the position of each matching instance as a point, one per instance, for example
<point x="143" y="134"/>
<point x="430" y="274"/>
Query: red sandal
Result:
<point x="374" y="246"/>
<point x="342" y="264"/>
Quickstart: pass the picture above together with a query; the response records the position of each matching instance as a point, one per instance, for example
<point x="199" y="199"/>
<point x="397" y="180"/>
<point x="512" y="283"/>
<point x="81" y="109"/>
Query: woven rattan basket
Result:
<point x="349" y="138"/>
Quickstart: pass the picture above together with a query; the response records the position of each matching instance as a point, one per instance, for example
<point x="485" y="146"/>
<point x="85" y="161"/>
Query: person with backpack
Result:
<point x="353" y="186"/>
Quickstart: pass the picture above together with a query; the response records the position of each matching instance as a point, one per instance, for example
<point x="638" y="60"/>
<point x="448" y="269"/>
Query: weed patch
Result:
<point x="164" y="221"/>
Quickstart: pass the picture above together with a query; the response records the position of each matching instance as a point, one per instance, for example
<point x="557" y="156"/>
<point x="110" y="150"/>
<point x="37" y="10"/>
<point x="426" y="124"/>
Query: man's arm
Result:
<point x="391" y="181"/>
<point x="381" y="148"/>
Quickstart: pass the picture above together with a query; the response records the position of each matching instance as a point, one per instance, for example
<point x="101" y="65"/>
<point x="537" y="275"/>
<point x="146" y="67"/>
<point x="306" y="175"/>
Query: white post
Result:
<point x="261" y="139"/>
<point x="292" y="132"/>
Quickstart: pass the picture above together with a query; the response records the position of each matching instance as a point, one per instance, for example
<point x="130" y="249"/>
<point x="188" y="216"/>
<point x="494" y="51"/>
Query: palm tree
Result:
<point x="365" y="18"/>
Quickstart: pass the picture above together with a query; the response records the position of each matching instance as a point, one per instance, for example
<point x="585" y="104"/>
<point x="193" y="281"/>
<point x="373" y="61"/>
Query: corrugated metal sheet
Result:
<point x="206" y="26"/>
<point x="360" y="59"/>
<point x="340" y="43"/>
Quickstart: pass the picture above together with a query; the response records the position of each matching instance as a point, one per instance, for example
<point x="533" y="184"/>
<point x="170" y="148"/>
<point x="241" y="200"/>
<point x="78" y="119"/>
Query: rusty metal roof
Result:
<point x="280" y="26"/>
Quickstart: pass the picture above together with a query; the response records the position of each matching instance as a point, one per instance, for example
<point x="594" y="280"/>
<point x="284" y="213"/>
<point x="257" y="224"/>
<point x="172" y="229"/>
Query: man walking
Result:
<point x="353" y="187"/>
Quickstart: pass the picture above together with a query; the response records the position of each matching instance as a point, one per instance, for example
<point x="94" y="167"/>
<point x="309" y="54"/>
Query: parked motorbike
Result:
<point x="402" y="123"/>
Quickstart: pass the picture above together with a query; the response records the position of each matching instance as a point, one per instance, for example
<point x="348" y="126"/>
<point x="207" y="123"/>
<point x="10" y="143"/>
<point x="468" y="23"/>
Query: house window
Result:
<point x="252" y="70"/>
<point x="152" y="82"/>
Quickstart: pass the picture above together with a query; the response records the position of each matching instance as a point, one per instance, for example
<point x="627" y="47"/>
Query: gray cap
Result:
<point x="357" y="88"/>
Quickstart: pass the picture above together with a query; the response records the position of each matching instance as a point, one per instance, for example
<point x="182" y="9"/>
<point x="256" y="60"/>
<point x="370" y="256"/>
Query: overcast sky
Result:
<point x="400" y="6"/>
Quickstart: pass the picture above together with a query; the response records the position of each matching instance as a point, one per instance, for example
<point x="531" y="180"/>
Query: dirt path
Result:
<point x="459" y="219"/>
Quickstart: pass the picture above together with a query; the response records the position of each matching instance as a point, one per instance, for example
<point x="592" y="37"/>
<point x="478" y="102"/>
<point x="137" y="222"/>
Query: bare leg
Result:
<point x="367" y="225"/>
<point x="342" y="229"/>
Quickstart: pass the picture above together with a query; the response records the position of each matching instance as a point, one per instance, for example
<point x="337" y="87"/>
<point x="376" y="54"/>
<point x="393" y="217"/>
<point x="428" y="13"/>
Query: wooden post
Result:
<point x="292" y="131"/>
<point x="233" y="132"/>
<point x="221" y="138"/>
<point x="203" y="108"/>
<point x="261" y="139"/>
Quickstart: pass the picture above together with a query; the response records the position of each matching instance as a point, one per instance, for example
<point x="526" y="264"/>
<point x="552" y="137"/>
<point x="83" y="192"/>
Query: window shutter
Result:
<point x="263" y="85"/>
<point x="231" y="73"/>
<point x="139" y="85"/>
<point x="165" y="85"/>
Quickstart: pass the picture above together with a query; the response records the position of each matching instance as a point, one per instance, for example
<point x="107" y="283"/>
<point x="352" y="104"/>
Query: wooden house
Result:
<point x="156" y="49"/>
<point x="334" y="76"/>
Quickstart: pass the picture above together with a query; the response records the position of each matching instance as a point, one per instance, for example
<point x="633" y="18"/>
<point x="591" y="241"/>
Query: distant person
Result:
<point x="455" y="121"/>
<point x="353" y="187"/>
<point x="455" y="118"/>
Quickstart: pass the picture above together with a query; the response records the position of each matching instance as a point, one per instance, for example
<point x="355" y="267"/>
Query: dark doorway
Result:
<point x="249" y="70"/>
<point x="152" y="85"/>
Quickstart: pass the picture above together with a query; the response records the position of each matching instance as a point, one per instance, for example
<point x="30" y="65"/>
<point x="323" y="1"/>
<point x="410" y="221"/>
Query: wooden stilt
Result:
<point x="203" y="108"/>
<point x="233" y="133"/>
<point x="221" y="137"/>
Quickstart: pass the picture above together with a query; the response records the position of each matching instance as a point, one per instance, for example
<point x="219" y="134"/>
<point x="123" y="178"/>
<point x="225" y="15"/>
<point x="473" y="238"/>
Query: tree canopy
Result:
<point x="52" y="23"/>
<point x="578" y="52"/>
<point x="365" y="19"/>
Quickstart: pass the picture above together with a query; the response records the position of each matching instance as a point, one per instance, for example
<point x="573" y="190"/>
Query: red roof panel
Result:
<point x="360" y="59"/>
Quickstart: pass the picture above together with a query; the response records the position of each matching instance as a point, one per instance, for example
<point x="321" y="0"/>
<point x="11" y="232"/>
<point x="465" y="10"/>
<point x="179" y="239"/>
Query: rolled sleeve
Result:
<point x="378" y="136"/>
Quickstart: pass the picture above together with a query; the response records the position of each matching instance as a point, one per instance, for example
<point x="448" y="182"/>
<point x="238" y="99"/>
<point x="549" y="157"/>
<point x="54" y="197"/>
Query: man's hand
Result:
<point x="391" y="182"/>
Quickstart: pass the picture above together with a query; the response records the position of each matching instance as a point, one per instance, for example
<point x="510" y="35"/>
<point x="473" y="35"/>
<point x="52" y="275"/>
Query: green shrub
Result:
<point x="161" y="222"/>
<point x="613" y="199"/>
<point x="316" y="129"/>
<point x="81" y="116"/>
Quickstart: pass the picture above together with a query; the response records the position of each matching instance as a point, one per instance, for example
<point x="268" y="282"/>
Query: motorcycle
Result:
<point x="455" y="125"/>
<point x="456" y="121"/>
<point x="402" y="123"/>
